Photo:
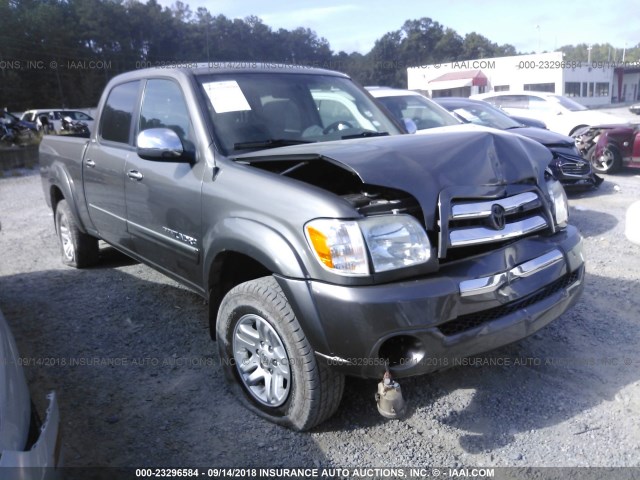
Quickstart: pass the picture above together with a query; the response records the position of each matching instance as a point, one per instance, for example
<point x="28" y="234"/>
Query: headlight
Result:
<point x="395" y="241"/>
<point x="392" y="241"/>
<point x="560" y="203"/>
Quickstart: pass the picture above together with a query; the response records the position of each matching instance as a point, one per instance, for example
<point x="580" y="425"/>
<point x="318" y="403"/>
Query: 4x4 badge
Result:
<point x="497" y="219"/>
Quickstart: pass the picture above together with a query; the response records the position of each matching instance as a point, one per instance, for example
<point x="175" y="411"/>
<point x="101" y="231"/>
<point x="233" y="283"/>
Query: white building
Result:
<point x="592" y="84"/>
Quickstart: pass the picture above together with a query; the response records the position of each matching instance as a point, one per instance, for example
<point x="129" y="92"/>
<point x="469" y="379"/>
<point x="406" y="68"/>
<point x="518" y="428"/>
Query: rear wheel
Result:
<point x="268" y="360"/>
<point x="79" y="250"/>
<point x="609" y="160"/>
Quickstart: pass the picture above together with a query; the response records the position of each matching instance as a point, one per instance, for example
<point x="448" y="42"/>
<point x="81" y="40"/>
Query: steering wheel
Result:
<point x="335" y="126"/>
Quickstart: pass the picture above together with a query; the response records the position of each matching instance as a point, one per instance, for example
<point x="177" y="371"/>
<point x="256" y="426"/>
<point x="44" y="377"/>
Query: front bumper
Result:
<point x="42" y="460"/>
<point x="465" y="309"/>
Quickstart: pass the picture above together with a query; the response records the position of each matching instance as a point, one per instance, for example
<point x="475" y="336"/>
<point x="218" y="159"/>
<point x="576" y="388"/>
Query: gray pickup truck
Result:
<point x="327" y="242"/>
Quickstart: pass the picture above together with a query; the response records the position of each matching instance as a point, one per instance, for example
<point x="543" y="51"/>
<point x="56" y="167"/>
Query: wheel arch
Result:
<point x="243" y="250"/>
<point x="61" y="188"/>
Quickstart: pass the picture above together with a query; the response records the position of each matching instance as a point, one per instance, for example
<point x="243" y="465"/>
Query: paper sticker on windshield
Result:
<point x="226" y="96"/>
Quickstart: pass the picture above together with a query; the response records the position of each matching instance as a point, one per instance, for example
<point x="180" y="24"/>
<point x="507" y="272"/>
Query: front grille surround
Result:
<point x="468" y="225"/>
<point x="571" y="165"/>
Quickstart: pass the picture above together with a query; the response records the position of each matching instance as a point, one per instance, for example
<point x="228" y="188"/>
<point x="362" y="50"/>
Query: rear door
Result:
<point x="163" y="198"/>
<point x="105" y="161"/>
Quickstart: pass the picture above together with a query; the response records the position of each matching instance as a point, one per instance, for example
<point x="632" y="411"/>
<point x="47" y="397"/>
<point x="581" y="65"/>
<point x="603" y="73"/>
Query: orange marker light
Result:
<point x="319" y="241"/>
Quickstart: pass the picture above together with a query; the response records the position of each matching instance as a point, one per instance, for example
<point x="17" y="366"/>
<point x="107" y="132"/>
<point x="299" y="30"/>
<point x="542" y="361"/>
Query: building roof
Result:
<point x="463" y="78"/>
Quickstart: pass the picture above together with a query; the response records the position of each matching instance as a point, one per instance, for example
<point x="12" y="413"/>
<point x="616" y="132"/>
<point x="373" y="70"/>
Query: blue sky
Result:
<point x="529" y="26"/>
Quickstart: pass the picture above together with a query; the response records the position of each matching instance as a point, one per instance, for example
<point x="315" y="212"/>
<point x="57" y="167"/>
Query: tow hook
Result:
<point x="389" y="398"/>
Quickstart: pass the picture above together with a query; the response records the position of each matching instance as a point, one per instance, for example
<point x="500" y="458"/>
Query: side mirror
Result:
<point x="410" y="125"/>
<point x="161" y="144"/>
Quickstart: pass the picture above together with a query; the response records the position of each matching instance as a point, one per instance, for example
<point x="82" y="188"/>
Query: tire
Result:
<point x="78" y="249"/>
<point x="260" y="343"/>
<point x="609" y="162"/>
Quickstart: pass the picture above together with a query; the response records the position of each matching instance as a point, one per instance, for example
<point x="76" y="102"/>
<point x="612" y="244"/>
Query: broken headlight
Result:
<point x="373" y="244"/>
<point x="560" y="204"/>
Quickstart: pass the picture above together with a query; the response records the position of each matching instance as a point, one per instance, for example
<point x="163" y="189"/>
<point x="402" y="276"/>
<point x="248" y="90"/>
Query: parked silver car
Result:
<point x="29" y="449"/>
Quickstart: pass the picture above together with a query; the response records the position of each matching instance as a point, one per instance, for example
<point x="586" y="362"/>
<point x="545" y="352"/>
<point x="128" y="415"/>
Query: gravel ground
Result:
<point x="129" y="353"/>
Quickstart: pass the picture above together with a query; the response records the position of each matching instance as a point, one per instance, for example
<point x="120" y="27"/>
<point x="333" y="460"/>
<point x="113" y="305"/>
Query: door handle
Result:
<point x="90" y="163"/>
<point x="134" y="175"/>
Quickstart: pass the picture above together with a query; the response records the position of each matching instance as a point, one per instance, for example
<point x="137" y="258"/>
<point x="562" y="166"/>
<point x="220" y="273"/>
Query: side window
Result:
<point x="115" y="123"/>
<point x="163" y="106"/>
<point x="539" y="104"/>
<point x="510" y="101"/>
<point x="495" y="101"/>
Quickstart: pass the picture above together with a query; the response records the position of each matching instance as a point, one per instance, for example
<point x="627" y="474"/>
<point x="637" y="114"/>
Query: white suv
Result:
<point x="560" y="114"/>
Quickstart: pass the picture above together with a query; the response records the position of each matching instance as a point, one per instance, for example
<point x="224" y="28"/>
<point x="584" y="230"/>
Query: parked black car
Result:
<point x="568" y="166"/>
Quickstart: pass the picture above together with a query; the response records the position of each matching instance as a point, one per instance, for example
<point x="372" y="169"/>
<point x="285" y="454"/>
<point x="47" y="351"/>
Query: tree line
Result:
<point x="62" y="52"/>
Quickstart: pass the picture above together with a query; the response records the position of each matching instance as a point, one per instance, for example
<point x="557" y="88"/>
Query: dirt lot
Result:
<point x="129" y="354"/>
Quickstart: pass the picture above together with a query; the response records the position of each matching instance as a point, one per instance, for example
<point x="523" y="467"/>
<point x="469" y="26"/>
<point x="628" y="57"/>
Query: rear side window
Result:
<point x="115" y="123"/>
<point x="509" y="101"/>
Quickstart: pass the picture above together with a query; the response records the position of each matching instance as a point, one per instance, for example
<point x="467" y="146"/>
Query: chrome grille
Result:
<point x="489" y="222"/>
<point x="574" y="168"/>
<point x="572" y="165"/>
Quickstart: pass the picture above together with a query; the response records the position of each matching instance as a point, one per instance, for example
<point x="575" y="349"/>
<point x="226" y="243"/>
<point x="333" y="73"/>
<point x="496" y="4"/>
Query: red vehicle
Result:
<point x="610" y="147"/>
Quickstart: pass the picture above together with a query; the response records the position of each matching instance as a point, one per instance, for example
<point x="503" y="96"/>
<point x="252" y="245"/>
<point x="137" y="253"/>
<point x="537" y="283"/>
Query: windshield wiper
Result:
<point x="366" y="133"/>
<point x="269" y="143"/>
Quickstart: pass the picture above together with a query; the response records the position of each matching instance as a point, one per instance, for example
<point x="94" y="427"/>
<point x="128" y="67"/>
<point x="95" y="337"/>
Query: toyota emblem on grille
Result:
<point x="497" y="220"/>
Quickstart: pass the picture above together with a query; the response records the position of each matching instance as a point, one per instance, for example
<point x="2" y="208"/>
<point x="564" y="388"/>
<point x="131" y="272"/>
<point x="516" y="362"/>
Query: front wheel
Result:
<point x="268" y="360"/>
<point x="79" y="250"/>
<point x="609" y="161"/>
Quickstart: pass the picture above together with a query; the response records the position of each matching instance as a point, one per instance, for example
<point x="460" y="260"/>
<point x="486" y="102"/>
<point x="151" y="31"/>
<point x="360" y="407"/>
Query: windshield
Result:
<point x="262" y="110"/>
<point x="485" y="115"/>
<point x="424" y="113"/>
<point x="568" y="103"/>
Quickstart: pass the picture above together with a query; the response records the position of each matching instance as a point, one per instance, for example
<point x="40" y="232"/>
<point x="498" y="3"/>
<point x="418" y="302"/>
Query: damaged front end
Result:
<point x="458" y="243"/>
<point x="610" y="147"/>
<point x="414" y="186"/>
<point x="573" y="171"/>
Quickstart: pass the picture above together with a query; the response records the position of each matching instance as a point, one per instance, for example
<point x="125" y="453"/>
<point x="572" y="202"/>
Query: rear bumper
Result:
<point x="464" y="309"/>
<point x="42" y="460"/>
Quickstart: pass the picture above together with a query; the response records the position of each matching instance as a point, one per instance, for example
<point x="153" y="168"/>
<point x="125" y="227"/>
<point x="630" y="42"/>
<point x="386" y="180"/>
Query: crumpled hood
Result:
<point x="424" y="165"/>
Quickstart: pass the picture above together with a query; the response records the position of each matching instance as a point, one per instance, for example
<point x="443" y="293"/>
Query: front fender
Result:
<point x="255" y="240"/>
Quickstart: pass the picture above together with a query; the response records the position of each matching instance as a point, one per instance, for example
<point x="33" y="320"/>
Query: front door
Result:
<point x="163" y="198"/>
